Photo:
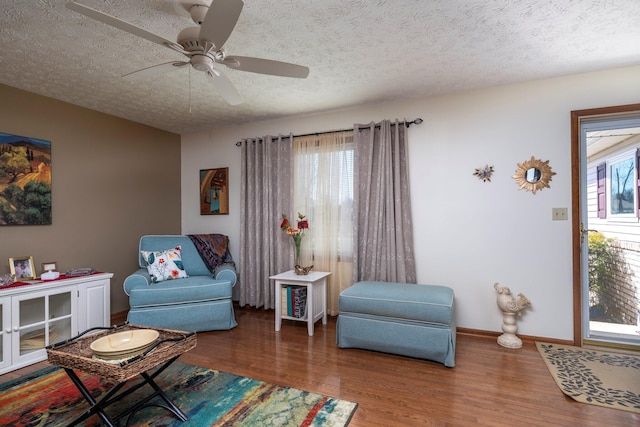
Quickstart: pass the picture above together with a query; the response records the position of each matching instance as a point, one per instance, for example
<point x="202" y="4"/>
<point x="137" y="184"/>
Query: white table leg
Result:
<point x="278" y="290"/>
<point x="310" y="306"/>
<point x="324" y="300"/>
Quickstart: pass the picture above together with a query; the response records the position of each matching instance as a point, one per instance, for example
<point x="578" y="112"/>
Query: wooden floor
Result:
<point x="490" y="385"/>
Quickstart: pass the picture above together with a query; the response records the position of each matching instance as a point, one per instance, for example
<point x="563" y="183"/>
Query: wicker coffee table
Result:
<point x="75" y="354"/>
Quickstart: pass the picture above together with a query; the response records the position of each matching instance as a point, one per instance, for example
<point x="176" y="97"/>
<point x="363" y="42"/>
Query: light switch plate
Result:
<point x="559" y="214"/>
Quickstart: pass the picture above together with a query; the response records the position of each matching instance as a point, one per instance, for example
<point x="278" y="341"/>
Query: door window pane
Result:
<point x="622" y="193"/>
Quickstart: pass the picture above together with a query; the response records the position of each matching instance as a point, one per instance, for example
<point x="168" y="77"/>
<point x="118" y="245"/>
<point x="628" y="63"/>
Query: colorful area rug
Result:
<point x="589" y="376"/>
<point x="208" y="397"/>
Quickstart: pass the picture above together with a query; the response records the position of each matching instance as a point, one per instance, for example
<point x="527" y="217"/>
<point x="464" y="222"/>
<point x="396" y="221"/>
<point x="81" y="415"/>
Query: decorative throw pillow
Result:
<point x="164" y="265"/>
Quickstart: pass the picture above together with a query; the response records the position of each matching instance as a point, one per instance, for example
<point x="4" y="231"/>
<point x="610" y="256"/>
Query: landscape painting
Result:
<point x="25" y="180"/>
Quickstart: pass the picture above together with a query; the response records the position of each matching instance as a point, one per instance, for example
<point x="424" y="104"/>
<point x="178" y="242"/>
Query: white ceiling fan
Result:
<point x="203" y="46"/>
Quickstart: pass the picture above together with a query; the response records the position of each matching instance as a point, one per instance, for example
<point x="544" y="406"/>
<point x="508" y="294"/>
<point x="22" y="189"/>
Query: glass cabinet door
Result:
<point x="60" y="317"/>
<point x="31" y="325"/>
<point x="43" y="318"/>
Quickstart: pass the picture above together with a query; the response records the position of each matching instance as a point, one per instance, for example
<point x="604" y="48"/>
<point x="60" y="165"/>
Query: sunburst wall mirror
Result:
<point x="533" y="175"/>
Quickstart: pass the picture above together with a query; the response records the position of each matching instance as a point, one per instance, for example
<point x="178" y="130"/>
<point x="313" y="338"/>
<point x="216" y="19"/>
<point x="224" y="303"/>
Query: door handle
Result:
<point x="584" y="231"/>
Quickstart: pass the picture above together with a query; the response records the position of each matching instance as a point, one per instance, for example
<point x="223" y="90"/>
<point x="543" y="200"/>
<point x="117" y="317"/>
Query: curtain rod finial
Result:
<point x="418" y="121"/>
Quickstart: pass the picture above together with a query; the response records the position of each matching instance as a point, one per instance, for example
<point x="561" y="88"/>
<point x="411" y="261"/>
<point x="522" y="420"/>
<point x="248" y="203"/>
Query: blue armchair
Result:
<point x="199" y="302"/>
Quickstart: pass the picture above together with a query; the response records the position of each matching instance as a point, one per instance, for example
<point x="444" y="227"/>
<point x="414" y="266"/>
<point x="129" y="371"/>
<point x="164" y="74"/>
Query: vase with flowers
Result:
<point x="296" y="233"/>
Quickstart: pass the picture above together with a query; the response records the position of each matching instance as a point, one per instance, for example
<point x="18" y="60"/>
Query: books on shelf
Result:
<point x="294" y="301"/>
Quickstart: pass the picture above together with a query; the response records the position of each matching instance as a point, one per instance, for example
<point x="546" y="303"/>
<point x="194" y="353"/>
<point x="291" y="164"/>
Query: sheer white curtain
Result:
<point x="266" y="177"/>
<point x="323" y="191"/>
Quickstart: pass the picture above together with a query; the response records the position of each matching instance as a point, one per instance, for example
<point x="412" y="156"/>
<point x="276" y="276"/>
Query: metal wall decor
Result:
<point x="533" y="175"/>
<point x="484" y="173"/>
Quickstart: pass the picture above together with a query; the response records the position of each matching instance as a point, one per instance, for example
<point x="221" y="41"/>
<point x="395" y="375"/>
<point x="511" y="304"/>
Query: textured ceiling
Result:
<point x="358" y="52"/>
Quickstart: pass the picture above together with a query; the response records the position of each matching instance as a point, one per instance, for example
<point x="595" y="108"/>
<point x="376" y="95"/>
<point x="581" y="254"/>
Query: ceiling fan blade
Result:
<point x="122" y="25"/>
<point x="225" y="87"/>
<point x="220" y="21"/>
<point x="155" y="70"/>
<point x="266" y="66"/>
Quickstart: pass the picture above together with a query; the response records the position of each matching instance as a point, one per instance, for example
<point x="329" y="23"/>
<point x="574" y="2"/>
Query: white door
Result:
<point x="610" y="228"/>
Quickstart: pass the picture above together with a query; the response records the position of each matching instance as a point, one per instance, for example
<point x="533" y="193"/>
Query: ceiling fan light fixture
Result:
<point x="202" y="62"/>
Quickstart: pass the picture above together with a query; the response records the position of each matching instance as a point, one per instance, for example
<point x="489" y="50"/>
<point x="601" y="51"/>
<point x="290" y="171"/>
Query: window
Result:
<point x="323" y="190"/>
<point x="617" y="186"/>
<point x="621" y="190"/>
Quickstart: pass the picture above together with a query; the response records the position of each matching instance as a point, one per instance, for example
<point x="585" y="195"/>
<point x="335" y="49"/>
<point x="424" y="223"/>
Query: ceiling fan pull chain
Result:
<point x="189" y="90"/>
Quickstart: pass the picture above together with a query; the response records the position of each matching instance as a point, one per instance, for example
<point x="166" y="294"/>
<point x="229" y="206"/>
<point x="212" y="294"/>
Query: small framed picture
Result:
<point x="22" y="267"/>
<point x="49" y="266"/>
<point x="214" y="191"/>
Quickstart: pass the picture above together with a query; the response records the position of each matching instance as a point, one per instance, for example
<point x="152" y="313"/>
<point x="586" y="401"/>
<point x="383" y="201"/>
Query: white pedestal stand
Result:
<point x="509" y="338"/>
<point x="510" y="308"/>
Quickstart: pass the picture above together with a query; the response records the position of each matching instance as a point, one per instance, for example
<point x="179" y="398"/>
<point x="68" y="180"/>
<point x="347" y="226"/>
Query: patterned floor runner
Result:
<point x="589" y="376"/>
<point x="208" y="397"/>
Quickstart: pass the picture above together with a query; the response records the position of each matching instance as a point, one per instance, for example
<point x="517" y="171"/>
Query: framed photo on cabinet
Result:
<point x="22" y="267"/>
<point x="49" y="266"/>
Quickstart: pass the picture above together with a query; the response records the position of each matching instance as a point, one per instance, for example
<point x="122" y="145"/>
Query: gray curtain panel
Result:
<point x="383" y="230"/>
<point x="266" y="193"/>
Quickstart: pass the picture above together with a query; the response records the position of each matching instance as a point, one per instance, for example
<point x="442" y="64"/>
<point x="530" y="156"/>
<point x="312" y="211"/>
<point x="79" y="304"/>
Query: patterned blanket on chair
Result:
<point x="213" y="248"/>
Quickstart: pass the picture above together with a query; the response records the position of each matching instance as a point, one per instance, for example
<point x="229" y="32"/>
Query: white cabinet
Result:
<point x="39" y="313"/>
<point x="94" y="307"/>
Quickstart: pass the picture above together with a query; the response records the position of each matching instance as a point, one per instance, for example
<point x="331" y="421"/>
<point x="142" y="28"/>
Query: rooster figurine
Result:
<point x="510" y="308"/>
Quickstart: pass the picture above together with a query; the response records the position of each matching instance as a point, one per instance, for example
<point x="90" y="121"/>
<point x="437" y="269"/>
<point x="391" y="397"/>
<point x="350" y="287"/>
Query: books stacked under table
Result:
<point x="294" y="298"/>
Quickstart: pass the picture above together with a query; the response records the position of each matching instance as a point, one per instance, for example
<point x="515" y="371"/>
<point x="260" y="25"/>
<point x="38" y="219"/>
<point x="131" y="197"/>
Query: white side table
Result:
<point x="316" y="283"/>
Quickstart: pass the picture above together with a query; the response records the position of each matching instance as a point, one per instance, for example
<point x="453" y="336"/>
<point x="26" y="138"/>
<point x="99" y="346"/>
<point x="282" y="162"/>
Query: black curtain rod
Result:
<point x="412" y="122"/>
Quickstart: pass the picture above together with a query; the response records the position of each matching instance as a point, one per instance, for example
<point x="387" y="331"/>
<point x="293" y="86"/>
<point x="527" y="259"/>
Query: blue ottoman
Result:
<point x="399" y="318"/>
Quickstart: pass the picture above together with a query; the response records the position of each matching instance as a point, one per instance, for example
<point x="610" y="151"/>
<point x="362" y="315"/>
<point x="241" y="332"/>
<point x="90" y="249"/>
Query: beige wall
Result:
<point x="112" y="181"/>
